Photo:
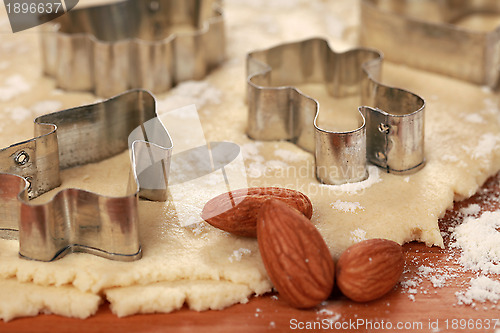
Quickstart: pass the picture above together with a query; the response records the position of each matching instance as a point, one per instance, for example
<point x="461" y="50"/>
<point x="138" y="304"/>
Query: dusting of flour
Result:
<point x="479" y="242"/>
<point x="13" y="86"/>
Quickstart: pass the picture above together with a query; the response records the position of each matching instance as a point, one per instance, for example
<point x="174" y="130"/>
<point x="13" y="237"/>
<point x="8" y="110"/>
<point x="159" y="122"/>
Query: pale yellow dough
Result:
<point x="199" y="265"/>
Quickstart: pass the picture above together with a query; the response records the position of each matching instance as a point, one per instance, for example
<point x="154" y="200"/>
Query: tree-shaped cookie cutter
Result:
<point x="149" y="44"/>
<point x="390" y="132"/>
<point x="424" y="34"/>
<point x="75" y="219"/>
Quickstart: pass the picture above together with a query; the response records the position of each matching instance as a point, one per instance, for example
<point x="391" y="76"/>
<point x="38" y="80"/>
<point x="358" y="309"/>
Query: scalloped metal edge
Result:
<point x="80" y="61"/>
<point x="76" y="220"/>
<point x="422" y="35"/>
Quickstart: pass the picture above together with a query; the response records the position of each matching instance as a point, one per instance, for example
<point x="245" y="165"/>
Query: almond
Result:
<point x="295" y="255"/>
<point x="369" y="269"/>
<point x="236" y="211"/>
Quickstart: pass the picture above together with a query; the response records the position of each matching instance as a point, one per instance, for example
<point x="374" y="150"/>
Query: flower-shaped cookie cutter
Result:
<point x="390" y="132"/>
<point x="75" y="219"/>
<point x="149" y="44"/>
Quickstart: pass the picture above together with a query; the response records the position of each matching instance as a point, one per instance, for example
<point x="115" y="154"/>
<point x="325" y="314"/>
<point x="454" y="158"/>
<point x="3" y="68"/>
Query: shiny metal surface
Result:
<point x="149" y="44"/>
<point x="390" y="132"/>
<point x="75" y="219"/>
<point x="426" y="34"/>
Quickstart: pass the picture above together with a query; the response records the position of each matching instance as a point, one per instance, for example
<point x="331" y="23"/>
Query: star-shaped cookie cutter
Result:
<point x="424" y="34"/>
<point x="391" y="129"/>
<point x="75" y="219"/>
<point x="149" y="44"/>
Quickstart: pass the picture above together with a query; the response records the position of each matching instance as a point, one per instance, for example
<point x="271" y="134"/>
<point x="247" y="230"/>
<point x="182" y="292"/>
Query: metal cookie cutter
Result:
<point x="150" y="44"/>
<point x="75" y="219"/>
<point x="391" y="130"/>
<point x="424" y="34"/>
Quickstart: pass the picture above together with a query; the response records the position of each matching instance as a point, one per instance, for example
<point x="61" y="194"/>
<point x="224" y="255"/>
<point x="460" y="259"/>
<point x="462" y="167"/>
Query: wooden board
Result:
<point x="432" y="310"/>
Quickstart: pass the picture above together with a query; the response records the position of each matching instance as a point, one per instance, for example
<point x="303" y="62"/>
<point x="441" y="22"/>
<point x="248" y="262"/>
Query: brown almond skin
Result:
<point x="295" y="255"/>
<point x="236" y="211"/>
<point x="370" y="269"/>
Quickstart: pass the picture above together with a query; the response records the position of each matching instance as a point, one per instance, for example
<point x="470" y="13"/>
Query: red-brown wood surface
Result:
<point x="432" y="310"/>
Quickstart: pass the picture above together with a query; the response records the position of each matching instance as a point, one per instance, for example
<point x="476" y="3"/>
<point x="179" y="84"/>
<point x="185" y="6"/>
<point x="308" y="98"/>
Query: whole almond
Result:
<point x="369" y="269"/>
<point x="236" y="211"/>
<point x="295" y="255"/>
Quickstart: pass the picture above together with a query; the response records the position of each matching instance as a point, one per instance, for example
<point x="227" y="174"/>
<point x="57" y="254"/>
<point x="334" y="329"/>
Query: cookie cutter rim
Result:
<point x="52" y="229"/>
<point x="433" y="42"/>
<point x="80" y="61"/>
<point x="264" y="100"/>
